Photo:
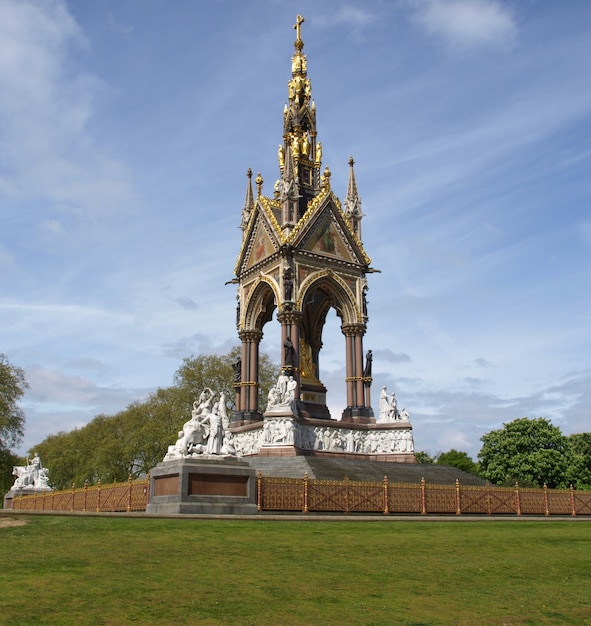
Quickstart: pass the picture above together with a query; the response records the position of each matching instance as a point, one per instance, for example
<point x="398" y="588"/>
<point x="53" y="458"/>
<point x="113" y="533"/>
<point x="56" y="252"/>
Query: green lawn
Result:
<point x="102" y="570"/>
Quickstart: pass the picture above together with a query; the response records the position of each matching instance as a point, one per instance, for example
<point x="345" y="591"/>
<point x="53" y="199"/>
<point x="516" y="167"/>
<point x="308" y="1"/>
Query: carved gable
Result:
<point x="327" y="233"/>
<point x="260" y="243"/>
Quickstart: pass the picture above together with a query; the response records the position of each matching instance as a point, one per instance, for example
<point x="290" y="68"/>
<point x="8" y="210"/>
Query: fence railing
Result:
<point x="345" y="496"/>
<point x="309" y="495"/>
<point x="132" y="495"/>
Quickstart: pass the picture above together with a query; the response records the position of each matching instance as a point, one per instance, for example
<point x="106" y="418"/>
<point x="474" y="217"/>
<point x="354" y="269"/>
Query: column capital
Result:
<point x="251" y="335"/>
<point x="353" y="330"/>
<point x="289" y="317"/>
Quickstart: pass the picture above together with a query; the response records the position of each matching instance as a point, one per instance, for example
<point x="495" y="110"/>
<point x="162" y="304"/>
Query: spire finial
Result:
<point x="299" y="44"/>
<point x="353" y="202"/>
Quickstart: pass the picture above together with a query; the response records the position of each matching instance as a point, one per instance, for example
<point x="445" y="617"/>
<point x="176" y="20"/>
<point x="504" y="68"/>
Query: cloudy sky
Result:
<point x="127" y="128"/>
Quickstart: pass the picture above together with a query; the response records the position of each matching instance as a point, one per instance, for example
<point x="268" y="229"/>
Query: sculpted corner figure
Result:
<point x="31" y="476"/>
<point x="288" y="352"/>
<point x="206" y="432"/>
<point x="389" y="408"/>
<point x="368" y="364"/>
<point x="384" y="405"/>
<point x="283" y="393"/>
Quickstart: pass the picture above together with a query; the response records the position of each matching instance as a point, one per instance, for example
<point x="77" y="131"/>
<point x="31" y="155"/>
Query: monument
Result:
<point x="29" y="479"/>
<point x="301" y="256"/>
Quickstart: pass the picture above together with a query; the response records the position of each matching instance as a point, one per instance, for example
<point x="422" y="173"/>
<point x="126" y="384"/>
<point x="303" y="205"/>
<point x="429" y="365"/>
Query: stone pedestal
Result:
<point x="9" y="497"/>
<point x="207" y="485"/>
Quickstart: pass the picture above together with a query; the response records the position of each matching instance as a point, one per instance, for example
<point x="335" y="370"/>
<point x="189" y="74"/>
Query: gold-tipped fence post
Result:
<point x="259" y="490"/>
<point x="129" y="487"/>
<point x="98" y="495"/>
<point x="572" y="500"/>
<point x="546" y="505"/>
<point x="423" y="497"/>
<point x="306" y="492"/>
<point x="517" y="499"/>
<point x="458" y="498"/>
<point x="386" y="504"/>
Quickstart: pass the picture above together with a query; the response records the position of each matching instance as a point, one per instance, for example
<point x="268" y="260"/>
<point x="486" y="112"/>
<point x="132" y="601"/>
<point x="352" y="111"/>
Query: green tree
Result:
<point x="580" y="469"/>
<point x="64" y="455"/>
<point x="581" y="444"/>
<point x="424" y="458"/>
<point x="12" y="418"/>
<point x="529" y="451"/>
<point x="7" y="461"/>
<point x="217" y="372"/>
<point x="459" y="460"/>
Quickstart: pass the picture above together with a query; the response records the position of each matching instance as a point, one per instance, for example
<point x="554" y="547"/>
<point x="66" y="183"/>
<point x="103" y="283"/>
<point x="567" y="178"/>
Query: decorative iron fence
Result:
<point x="311" y="495"/>
<point x="130" y="496"/>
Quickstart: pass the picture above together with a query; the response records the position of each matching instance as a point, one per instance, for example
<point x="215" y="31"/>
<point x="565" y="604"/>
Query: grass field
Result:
<point x="102" y="570"/>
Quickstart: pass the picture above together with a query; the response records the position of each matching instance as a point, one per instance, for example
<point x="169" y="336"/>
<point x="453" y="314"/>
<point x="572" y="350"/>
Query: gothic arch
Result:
<point x="338" y="295"/>
<point x="260" y="304"/>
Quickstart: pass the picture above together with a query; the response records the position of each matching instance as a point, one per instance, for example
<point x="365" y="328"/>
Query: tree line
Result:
<point x="111" y="448"/>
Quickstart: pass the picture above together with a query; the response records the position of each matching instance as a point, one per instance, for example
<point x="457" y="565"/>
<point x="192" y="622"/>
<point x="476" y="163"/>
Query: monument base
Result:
<point x="206" y="485"/>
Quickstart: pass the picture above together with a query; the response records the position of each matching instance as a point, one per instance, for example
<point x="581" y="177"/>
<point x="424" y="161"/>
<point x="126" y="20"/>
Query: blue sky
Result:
<point x="127" y="127"/>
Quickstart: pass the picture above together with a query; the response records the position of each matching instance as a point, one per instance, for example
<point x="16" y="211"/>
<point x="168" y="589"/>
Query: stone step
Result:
<point x="359" y="470"/>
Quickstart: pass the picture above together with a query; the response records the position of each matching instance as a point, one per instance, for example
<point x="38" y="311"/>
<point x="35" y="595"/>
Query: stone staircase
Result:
<point x="359" y="470"/>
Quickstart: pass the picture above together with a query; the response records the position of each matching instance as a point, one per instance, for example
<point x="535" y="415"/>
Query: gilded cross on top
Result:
<point x="299" y="21"/>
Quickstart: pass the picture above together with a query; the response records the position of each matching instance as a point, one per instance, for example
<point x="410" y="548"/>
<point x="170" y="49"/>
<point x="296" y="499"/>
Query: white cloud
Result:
<point x="467" y="23"/>
<point x="46" y="102"/>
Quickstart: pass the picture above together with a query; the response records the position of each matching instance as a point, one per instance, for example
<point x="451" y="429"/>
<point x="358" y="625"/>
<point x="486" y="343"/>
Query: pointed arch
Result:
<point x="338" y="294"/>
<point x="260" y="304"/>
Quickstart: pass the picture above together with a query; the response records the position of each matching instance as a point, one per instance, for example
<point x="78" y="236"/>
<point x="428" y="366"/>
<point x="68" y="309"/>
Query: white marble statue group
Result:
<point x="282" y="394"/>
<point x="30" y="476"/>
<point x="207" y="430"/>
<point x="389" y="408"/>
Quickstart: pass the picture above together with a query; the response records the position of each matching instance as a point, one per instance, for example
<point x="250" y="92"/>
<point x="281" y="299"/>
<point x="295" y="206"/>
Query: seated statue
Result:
<point x="31" y="476"/>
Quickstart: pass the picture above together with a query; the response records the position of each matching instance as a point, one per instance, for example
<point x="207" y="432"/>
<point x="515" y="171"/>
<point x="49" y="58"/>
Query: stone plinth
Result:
<point x="205" y="485"/>
<point x="13" y="493"/>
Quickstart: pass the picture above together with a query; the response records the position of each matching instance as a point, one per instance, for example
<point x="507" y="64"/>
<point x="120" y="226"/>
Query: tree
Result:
<point x="7" y="461"/>
<point x="217" y="372"/>
<point x="580" y="469"/>
<point x="459" y="460"/>
<point x="424" y="458"/>
<point x="581" y="444"/>
<point x="529" y="451"/>
<point x="12" y="418"/>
